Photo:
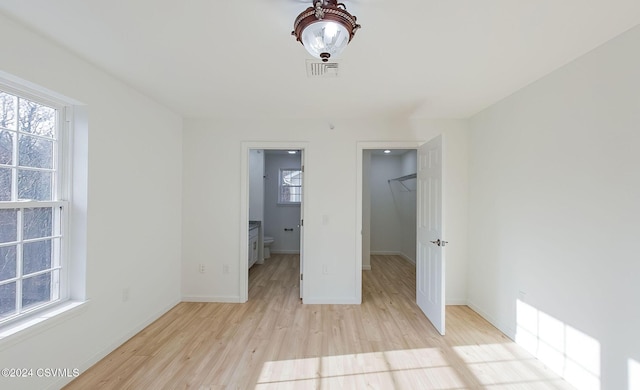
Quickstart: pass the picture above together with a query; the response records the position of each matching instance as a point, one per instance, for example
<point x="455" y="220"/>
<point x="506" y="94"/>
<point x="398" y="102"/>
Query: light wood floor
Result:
<point x="275" y="342"/>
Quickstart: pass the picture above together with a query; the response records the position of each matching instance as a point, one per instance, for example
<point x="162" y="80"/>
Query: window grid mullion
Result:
<point x="26" y="168"/>
<point x="19" y="260"/>
<point x="38" y="136"/>
<point x="43" y="238"/>
<point x="14" y="160"/>
<point x="42" y="271"/>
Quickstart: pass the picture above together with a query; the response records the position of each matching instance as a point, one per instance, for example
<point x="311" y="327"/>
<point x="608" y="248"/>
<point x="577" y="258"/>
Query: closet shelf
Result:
<point x="404" y="178"/>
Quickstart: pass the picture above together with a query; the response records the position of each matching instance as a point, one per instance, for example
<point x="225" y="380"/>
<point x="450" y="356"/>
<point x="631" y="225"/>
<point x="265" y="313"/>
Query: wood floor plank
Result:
<point x="276" y="342"/>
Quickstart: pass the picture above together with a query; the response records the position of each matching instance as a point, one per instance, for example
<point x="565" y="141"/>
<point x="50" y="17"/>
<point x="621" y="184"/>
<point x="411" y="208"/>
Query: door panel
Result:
<point x="302" y="227"/>
<point x="430" y="268"/>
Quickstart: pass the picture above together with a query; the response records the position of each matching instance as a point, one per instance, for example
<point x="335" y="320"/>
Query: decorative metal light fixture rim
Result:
<point x="325" y="10"/>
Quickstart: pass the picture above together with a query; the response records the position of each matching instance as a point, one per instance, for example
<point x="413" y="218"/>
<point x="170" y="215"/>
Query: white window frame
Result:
<point x="282" y="184"/>
<point x="61" y="186"/>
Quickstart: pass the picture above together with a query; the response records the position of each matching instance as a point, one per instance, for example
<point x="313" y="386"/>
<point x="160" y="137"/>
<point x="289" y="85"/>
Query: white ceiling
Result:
<point x="430" y="58"/>
<point x="392" y="152"/>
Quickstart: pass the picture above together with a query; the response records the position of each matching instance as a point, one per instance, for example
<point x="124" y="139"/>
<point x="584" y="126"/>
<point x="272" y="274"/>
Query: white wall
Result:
<point x="393" y="205"/>
<point x="278" y="217"/>
<point x="212" y="217"/>
<point x="386" y="222"/>
<point x="366" y="210"/>
<point x="256" y="184"/>
<point x="554" y="209"/>
<point x="409" y="162"/>
<point x="407" y="203"/>
<point x="133" y="215"/>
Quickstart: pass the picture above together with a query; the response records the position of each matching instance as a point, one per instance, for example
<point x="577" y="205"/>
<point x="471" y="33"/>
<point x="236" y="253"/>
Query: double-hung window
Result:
<point x="32" y="210"/>
<point x="290" y="186"/>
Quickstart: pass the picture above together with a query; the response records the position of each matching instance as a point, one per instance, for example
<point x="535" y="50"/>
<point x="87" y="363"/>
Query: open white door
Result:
<point x="302" y="225"/>
<point x="430" y="253"/>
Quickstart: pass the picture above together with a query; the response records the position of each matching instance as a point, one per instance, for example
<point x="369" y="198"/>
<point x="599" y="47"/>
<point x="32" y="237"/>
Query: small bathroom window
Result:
<point x="290" y="186"/>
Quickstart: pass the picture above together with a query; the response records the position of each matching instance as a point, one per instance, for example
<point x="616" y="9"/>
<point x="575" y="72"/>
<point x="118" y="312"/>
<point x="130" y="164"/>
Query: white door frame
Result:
<point x="360" y="148"/>
<point x="244" y="204"/>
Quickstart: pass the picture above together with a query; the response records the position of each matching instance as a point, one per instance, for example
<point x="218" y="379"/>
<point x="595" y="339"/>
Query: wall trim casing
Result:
<point x="457" y="302"/>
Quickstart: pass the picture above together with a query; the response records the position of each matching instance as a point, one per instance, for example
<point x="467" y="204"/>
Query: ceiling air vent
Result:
<point x="322" y="69"/>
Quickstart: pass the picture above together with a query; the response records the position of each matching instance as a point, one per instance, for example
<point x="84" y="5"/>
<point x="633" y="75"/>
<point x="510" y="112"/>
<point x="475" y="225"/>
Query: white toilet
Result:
<point x="267" y="246"/>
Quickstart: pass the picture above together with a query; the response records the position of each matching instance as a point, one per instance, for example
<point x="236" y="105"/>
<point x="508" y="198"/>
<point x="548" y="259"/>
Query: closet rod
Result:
<point x="403" y="178"/>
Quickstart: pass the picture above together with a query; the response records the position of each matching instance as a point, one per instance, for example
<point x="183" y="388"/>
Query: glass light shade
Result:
<point x="325" y="36"/>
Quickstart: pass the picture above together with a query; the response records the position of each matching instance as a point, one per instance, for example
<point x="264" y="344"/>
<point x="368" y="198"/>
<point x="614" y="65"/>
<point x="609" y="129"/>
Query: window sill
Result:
<point x="31" y="326"/>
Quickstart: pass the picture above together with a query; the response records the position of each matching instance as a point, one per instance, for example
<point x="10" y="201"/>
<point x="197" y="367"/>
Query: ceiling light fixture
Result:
<point x="325" y="29"/>
<point x="387" y="151"/>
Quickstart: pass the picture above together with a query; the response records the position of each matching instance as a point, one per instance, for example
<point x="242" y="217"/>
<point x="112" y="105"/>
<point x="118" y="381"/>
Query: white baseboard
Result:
<point x="211" y="299"/>
<point x="285" y="252"/>
<point x="84" y="366"/>
<point x="392" y="253"/>
<point x="407" y="258"/>
<point x="501" y="327"/>
<point x="366" y="267"/>
<point x="385" y="253"/>
<point x="456" y="302"/>
<point x="331" y="301"/>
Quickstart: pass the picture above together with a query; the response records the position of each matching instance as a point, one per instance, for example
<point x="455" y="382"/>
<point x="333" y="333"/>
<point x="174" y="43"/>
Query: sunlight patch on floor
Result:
<point x="424" y="368"/>
<point x="570" y="353"/>
<point x="498" y="366"/>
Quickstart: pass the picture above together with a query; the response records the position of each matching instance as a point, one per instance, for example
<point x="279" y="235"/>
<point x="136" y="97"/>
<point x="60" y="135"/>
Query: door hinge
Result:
<point x="302" y="222"/>
<point x="301" y="278"/>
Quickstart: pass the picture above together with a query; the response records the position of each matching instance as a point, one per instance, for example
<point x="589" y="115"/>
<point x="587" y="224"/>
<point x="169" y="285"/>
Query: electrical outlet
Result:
<point x="201" y="268"/>
<point x="325" y="269"/>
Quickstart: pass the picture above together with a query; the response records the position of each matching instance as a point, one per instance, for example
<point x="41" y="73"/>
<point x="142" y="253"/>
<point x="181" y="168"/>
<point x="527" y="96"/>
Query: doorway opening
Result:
<point x="426" y="184"/>
<point x="389" y="204"/>
<point x="273" y="207"/>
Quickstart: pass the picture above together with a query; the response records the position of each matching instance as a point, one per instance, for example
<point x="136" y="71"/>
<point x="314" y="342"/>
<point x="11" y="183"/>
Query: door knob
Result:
<point x="439" y="243"/>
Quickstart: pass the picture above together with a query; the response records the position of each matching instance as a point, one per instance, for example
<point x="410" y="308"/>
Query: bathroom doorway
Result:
<point x="282" y="200"/>
<point x="273" y="198"/>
